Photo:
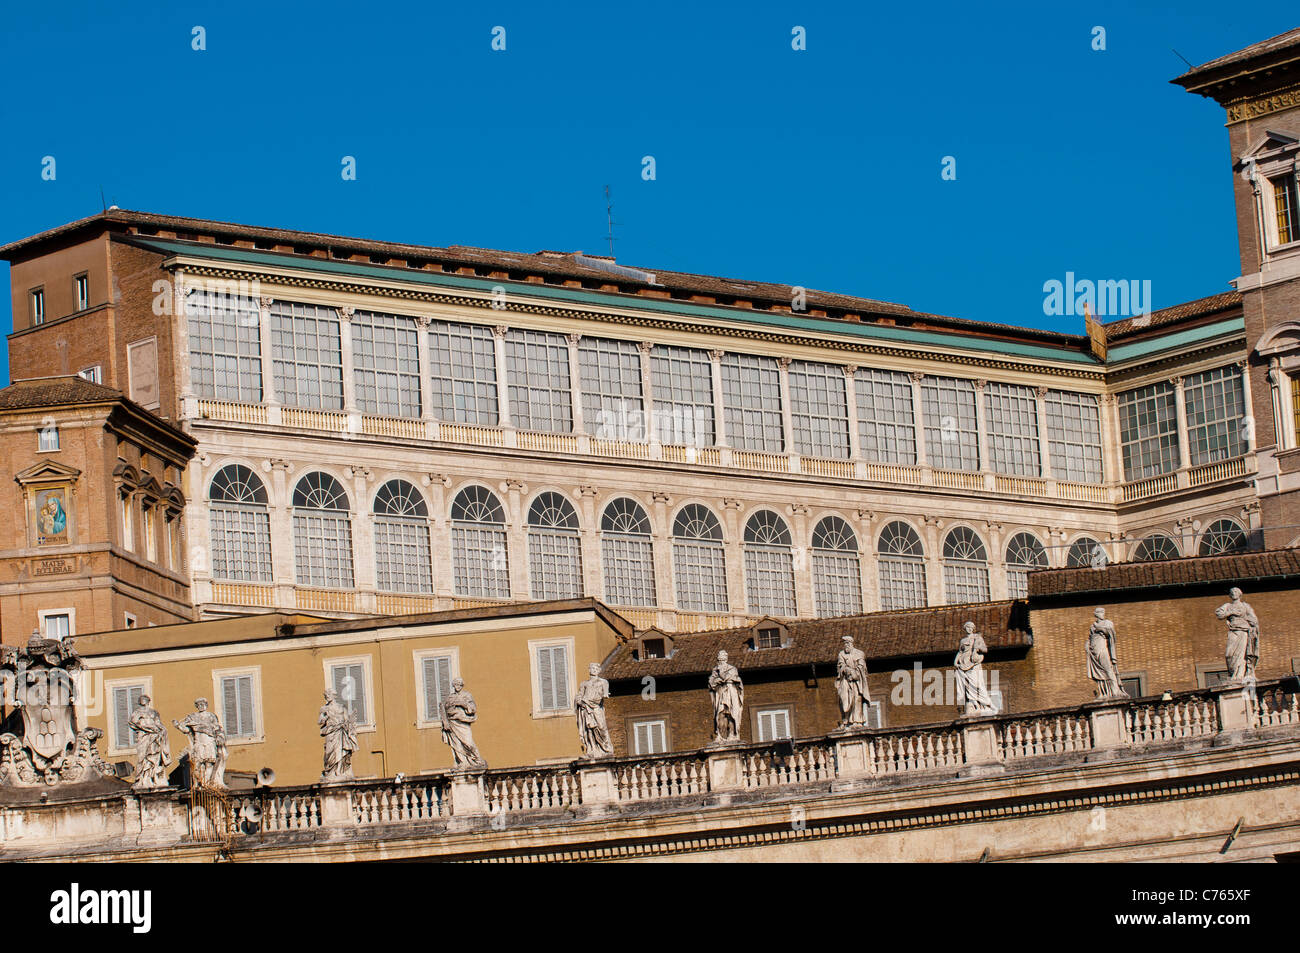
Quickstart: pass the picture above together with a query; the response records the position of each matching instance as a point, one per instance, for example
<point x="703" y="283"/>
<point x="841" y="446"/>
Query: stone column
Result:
<point x="650" y="427"/>
<point x="933" y="529"/>
<point x="982" y="434"/>
<point x="1044" y="442"/>
<point x="734" y="552"/>
<point x="868" y="561"/>
<point x="270" y="397"/>
<point x="1111" y="449"/>
<point x="440" y="535"/>
<point x="851" y="404"/>
<point x="280" y="513"/>
<point x="803" y="580"/>
<point x="363" y="538"/>
<point x="997" y="561"/>
<point x="422" y="322"/>
<point x="719" y="408"/>
<point x="349" y="370"/>
<point x="503" y="388"/>
<point x="1283" y="420"/>
<point x="516" y="538"/>
<point x="662" y="542"/>
<point x="1247" y="406"/>
<point x="1180" y="407"/>
<point x="787" y="424"/>
<point x="575" y="389"/>
<point x="589" y="541"/>
<point x="918" y="422"/>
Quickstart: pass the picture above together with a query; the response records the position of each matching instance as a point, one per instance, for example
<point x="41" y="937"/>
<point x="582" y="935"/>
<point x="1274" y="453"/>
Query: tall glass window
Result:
<point x="699" y="567"/>
<point x="681" y="379"/>
<point x="610" y="372"/>
<point x="628" y="554"/>
<point x="478" y="545"/>
<point x="403" y="559"/>
<point x="902" y="567"/>
<point x="537" y="374"/>
<point x="1024" y="553"/>
<point x="819" y="410"/>
<point x="965" y="566"/>
<point x="1215" y="405"/>
<point x="751" y="397"/>
<point x="1011" y="416"/>
<point x="1223" y="536"/>
<point x="837" y="575"/>
<point x="463" y="370"/>
<point x="1074" y="436"/>
<point x="306" y="356"/>
<point x="1148" y="431"/>
<point x="225" y="349"/>
<point x="322" y="532"/>
<point x="239" y="526"/>
<point x="886" y="423"/>
<point x="769" y="565"/>
<point x="951" y="428"/>
<point x="554" y="550"/>
<point x="386" y="361"/>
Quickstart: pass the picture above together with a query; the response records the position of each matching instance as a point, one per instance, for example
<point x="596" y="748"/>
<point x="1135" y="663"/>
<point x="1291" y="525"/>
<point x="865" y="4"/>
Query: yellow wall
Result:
<point x="493" y="660"/>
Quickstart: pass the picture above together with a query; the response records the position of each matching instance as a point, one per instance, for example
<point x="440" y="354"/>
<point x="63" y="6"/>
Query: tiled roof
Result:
<point x="1262" y="48"/>
<point x="1195" y="570"/>
<point x="40" y="392"/>
<point x="881" y="635"/>
<point x="1128" y="327"/>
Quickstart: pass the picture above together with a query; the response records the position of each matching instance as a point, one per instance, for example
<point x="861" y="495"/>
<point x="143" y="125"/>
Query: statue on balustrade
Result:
<point x="590" y="709"/>
<point x="1242" y="654"/>
<point x="1103" y="668"/>
<point x="458" y="713"/>
<point x="851" y="685"/>
<point x="972" y="691"/>
<point x="727" y="692"/>
<point x="338" y="726"/>
<point x="153" y="751"/>
<point x="207" y="750"/>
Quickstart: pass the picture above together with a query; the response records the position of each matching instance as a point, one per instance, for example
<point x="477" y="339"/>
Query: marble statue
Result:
<point x="728" y="695"/>
<point x="1103" y="669"/>
<point x="972" y="692"/>
<point x="1242" y="653"/>
<point x="338" y="726"/>
<point x="851" y="684"/>
<point x="207" y="748"/>
<point x="153" y="751"/>
<point x="590" y="709"/>
<point x="458" y="713"/>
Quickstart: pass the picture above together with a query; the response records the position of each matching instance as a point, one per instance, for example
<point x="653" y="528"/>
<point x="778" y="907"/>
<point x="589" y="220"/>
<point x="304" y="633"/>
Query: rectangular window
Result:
<point x="681" y="379"/>
<point x="819" y="410"/>
<point x="463" y="368"/>
<point x="125" y="698"/>
<point x="610" y="372"/>
<point x="38" y="306"/>
<point x="238" y="707"/>
<point x="435" y="679"/>
<point x="349" y="680"/>
<point x="1284" y="205"/>
<point x="951" y="429"/>
<point x="1135" y="685"/>
<point x="649" y="737"/>
<point x="1011" y="418"/>
<point x="537" y="372"/>
<point x="81" y="291"/>
<point x="886" y="423"/>
<point x="751" y="399"/>
<point x="1215" y="405"/>
<point x="1148" y="431"/>
<point x="225" y="350"/>
<point x="875" y="715"/>
<point x="128" y="521"/>
<point x="57" y="625"/>
<point x="47" y="439"/>
<point x="1074" y="436"/>
<point x="386" y="359"/>
<point x="768" y="639"/>
<point x="773" y="724"/>
<point x="306" y="356"/>
<point x="553" y="677"/>
<point x="94" y="374"/>
<point x="148" y="528"/>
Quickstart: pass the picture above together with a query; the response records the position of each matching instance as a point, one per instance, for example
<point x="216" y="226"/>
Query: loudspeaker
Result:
<point x="265" y="778"/>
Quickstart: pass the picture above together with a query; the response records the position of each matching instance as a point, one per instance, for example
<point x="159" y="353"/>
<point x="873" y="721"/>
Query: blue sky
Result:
<point x="819" y="168"/>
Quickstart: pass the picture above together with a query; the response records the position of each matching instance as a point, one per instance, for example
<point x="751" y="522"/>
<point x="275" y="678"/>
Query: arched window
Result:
<point x="403" y="562"/>
<point x="478" y="545"/>
<point x="1024" y="553"/>
<point x="1222" y="536"/>
<point x="769" y="565"/>
<point x="902" y="567"/>
<point x="554" y="550"/>
<point x="965" y="567"/>
<point x="322" y="533"/>
<point x="699" y="567"/>
<point x="1155" y="546"/>
<point x="628" y="554"/>
<point x="837" y="575"/>
<point x="239" y="527"/>
<point x="1085" y="553"/>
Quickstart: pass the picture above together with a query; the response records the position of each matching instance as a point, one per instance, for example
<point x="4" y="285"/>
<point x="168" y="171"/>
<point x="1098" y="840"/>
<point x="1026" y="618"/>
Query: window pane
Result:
<point x="1148" y="430"/>
<point x="1011" y="416"/>
<point x="610" y="372"/>
<point x="682" y="382"/>
<point x="948" y="409"/>
<point x="463" y="367"/>
<point x="225" y="349"/>
<point x="700" y="576"/>
<point x="751" y="396"/>
<point x="307" y="356"/>
<point x="386" y="358"/>
<point x="819" y="412"/>
<point x="1074" y="436"/>
<point x="886" y="424"/>
<point x="537" y="371"/>
<point x="1215" y="407"/>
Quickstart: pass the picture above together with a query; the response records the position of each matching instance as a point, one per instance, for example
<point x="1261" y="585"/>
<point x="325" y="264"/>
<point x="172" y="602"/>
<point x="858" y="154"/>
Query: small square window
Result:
<point x="649" y="736"/>
<point x="768" y="639"/>
<point x="652" y="648"/>
<point x="81" y="291"/>
<point x="58" y="625"/>
<point x="773" y="724"/>
<point x="1134" y="684"/>
<point x="38" y="306"/>
<point x="48" y="439"/>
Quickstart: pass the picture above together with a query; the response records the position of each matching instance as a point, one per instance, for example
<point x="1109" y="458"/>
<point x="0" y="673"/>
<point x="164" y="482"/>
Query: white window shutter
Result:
<point x="553" y="677"/>
<point x="124" y="701"/>
<point x="658" y="745"/>
<point x="230" y="706"/>
<point x="437" y="685"/>
<point x="350" y="683"/>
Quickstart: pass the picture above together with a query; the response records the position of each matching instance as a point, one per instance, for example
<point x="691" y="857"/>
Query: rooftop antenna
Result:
<point x="609" y="218"/>
<point x="102" y="203"/>
<point x="1183" y="58"/>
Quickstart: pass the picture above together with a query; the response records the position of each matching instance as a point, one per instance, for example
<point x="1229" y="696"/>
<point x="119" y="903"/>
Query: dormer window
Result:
<point x="768" y="638"/>
<point x="653" y="648"/>
<point x="1284" y="208"/>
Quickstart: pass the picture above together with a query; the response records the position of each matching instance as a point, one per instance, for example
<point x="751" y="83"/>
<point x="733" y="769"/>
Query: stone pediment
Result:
<point x="47" y="471"/>
<point x="1271" y="143"/>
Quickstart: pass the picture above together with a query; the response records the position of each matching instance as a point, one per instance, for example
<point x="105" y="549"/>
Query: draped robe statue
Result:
<point x="207" y="748"/>
<point x="1103" y="668"/>
<point x="458" y="713"/>
<point x="152" y="749"/>
<point x="851" y="684"/>
<point x="590" y="709"/>
<point x="728" y="695"/>
<point x="1242" y="653"/>
<point x="338" y="726"/>
<point x="969" y="664"/>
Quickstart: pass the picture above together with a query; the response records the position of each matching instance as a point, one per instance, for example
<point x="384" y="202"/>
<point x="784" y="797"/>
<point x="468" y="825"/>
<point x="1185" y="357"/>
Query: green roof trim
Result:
<point x="871" y="332"/>
<point x="1124" y="352"/>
